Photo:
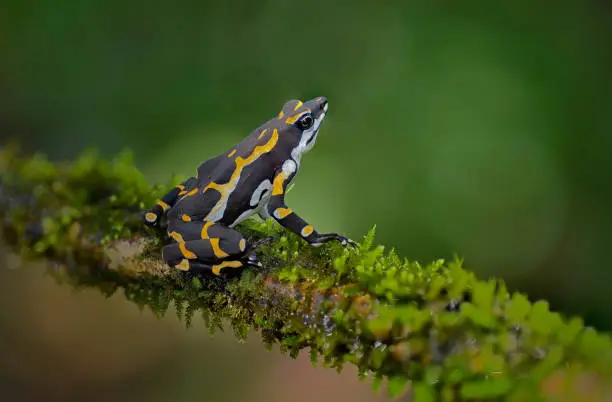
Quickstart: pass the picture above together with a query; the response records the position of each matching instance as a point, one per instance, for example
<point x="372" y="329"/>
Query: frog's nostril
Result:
<point x="323" y="105"/>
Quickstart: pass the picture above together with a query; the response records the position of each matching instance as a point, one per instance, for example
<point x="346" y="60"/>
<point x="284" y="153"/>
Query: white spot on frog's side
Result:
<point x="263" y="187"/>
<point x="259" y="198"/>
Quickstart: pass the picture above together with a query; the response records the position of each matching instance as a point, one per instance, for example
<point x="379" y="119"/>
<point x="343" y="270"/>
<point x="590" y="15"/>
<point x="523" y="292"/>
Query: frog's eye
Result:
<point x="305" y="122"/>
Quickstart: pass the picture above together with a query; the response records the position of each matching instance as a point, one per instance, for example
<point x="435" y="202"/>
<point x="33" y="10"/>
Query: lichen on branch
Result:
<point x="433" y="332"/>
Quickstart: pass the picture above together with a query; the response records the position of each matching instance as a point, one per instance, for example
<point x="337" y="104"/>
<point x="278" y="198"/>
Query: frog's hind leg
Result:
<point x="154" y="215"/>
<point x="191" y="256"/>
<point x="208" y="246"/>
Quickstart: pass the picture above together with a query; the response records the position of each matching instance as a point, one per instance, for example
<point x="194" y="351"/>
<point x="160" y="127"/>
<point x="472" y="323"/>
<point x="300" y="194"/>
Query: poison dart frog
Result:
<point x="251" y="177"/>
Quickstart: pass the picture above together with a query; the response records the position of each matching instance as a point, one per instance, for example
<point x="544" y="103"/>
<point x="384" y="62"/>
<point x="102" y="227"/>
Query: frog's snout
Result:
<point x="323" y="103"/>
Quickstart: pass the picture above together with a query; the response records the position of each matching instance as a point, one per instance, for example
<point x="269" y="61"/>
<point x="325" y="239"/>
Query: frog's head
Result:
<point x="300" y="121"/>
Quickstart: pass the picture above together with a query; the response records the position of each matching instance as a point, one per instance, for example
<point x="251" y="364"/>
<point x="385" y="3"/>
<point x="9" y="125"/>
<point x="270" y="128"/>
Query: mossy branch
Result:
<point x="434" y="332"/>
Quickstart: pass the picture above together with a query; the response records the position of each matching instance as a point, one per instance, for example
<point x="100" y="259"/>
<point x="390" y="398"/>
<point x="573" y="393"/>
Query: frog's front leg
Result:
<point x="153" y="215"/>
<point x="286" y="217"/>
<point x="207" y="247"/>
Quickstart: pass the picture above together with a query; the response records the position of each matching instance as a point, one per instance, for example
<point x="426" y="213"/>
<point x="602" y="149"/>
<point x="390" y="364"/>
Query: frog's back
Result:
<point x="254" y="162"/>
<point x="233" y="184"/>
<point x="196" y="203"/>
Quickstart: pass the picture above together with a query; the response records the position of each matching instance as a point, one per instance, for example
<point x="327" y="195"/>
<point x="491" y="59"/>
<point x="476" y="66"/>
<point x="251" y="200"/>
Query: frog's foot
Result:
<point x="324" y="238"/>
<point x="259" y="243"/>
<point x="251" y="260"/>
<point x="249" y="256"/>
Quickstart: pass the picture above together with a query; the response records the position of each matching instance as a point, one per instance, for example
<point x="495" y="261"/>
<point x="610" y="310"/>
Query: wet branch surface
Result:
<point x="433" y="332"/>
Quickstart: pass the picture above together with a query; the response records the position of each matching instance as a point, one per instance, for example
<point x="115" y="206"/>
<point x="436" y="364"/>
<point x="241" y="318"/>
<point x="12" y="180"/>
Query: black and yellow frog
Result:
<point x="252" y="177"/>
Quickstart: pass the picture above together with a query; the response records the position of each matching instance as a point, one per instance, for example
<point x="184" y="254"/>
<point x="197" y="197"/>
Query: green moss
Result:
<point x="433" y="331"/>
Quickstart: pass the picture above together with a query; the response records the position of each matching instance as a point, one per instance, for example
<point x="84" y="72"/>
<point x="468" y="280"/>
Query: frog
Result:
<point x="252" y="177"/>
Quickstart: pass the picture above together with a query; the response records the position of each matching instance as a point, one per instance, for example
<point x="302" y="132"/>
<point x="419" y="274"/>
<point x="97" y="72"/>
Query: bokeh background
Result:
<point x="476" y="128"/>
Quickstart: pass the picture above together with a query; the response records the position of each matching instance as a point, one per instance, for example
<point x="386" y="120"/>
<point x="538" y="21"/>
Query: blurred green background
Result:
<point x="475" y="128"/>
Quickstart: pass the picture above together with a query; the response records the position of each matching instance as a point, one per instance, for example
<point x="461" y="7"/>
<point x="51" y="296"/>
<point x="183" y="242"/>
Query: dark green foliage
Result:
<point x="433" y="331"/>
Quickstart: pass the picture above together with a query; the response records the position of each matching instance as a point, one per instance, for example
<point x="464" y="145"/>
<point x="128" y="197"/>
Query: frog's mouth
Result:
<point x="311" y="140"/>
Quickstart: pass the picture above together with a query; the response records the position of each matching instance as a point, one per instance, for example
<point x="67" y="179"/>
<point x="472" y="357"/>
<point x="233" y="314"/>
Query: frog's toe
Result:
<point x="259" y="243"/>
<point x="348" y="242"/>
<point x="252" y="261"/>
<point x="345" y="241"/>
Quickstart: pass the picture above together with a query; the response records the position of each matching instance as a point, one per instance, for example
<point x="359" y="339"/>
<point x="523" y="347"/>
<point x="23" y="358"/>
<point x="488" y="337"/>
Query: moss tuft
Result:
<point x="434" y="331"/>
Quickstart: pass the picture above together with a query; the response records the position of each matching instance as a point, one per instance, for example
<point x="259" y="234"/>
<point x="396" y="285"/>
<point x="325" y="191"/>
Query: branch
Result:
<point x="433" y="332"/>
